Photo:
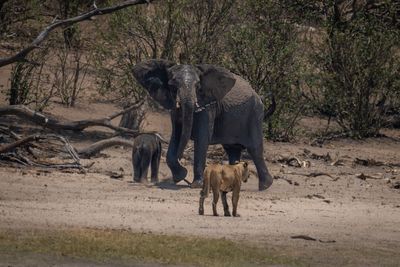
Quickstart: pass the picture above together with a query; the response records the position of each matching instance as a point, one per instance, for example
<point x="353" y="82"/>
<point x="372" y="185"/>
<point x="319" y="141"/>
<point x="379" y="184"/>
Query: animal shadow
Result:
<point x="170" y="185"/>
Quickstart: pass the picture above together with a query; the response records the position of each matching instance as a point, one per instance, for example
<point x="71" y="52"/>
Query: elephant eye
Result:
<point x="172" y="86"/>
<point x="199" y="90"/>
<point x="171" y="83"/>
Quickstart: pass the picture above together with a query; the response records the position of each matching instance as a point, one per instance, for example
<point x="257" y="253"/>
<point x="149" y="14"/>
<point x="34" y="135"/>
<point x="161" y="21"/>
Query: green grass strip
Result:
<point x="123" y="246"/>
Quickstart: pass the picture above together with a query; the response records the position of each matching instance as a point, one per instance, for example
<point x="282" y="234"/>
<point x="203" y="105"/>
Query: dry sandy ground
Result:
<point x="356" y="221"/>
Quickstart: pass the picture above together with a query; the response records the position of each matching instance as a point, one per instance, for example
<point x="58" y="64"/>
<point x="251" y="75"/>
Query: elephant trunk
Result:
<point x="187" y="123"/>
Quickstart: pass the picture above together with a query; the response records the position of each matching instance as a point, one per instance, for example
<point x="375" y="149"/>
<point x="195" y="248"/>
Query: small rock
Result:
<point x="396" y="185"/>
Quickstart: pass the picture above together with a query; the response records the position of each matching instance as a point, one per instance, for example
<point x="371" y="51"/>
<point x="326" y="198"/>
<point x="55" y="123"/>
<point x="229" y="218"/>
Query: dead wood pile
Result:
<point x="52" y="150"/>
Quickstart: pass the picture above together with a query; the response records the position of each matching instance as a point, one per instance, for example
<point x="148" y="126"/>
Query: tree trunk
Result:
<point x="133" y="119"/>
<point x="2" y="12"/>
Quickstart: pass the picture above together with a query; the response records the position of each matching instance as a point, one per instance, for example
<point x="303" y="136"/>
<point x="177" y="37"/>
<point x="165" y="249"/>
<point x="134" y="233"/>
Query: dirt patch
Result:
<point x="359" y="217"/>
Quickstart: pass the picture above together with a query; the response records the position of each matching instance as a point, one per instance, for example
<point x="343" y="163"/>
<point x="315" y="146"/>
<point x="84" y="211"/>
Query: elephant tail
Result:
<point x="271" y="109"/>
<point x="161" y="138"/>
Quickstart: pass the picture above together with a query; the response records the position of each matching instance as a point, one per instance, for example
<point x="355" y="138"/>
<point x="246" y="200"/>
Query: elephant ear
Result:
<point x="152" y="75"/>
<point x="215" y="81"/>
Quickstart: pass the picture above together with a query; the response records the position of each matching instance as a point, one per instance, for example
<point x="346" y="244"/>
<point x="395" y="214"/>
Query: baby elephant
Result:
<point x="146" y="149"/>
<point x="223" y="179"/>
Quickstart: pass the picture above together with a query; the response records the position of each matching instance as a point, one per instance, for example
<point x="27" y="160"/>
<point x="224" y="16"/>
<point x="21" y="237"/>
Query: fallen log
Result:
<point x="6" y="131"/>
<point x="276" y="177"/>
<point x="9" y="147"/>
<point x="11" y="153"/>
<point x="372" y="162"/>
<point x="364" y="177"/>
<point x="309" y="238"/>
<point x="321" y="140"/>
<point x="314" y="174"/>
<point x="95" y="148"/>
<point x="30" y="115"/>
<point x="293" y="162"/>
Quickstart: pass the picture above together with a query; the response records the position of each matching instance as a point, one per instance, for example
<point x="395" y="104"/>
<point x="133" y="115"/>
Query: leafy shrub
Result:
<point x="358" y="78"/>
<point x="261" y="47"/>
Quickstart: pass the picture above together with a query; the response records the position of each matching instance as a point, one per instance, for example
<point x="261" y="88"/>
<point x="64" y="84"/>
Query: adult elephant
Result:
<point x="209" y="105"/>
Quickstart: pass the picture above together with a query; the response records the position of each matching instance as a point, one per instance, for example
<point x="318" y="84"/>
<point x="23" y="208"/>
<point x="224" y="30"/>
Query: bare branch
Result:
<point x="8" y="147"/>
<point x="133" y="106"/>
<point x="6" y="153"/>
<point x="67" y="22"/>
<point x="51" y="123"/>
<point x="95" y="148"/>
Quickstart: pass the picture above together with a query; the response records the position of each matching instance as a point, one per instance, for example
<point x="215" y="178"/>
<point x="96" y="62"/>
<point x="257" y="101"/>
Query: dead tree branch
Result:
<point x="11" y="153"/>
<point x="372" y="162"/>
<point x="313" y="174"/>
<point x="7" y="131"/>
<point x="293" y="161"/>
<point x="9" y="147"/>
<point x="95" y="148"/>
<point x="65" y="23"/>
<point x="54" y="124"/>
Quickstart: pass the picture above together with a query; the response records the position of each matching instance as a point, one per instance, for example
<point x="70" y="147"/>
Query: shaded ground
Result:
<point x="356" y="222"/>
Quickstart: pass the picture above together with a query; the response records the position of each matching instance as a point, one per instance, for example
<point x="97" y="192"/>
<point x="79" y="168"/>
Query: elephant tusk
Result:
<point x="201" y="108"/>
<point x="178" y="101"/>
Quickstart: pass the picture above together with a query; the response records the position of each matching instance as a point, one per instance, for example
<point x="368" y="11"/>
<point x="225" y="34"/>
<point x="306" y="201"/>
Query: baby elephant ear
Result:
<point x="153" y="76"/>
<point x="215" y="81"/>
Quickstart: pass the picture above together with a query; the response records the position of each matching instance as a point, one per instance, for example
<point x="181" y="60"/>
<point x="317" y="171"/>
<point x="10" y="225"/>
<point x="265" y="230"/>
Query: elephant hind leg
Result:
<point x="264" y="177"/>
<point x="145" y="163"/>
<point x="155" y="163"/>
<point x="234" y="152"/>
<point x="137" y="168"/>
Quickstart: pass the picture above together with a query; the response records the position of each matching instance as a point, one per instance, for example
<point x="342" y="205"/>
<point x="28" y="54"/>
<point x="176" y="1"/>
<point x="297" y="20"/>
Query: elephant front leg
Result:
<point x="200" y="151"/>
<point x="178" y="171"/>
<point x="264" y="177"/>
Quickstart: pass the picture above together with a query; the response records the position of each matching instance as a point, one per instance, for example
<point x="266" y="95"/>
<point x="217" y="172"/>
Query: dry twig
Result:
<point x="314" y="174"/>
<point x="12" y="153"/>
<point x="20" y="56"/>
<point x="38" y="118"/>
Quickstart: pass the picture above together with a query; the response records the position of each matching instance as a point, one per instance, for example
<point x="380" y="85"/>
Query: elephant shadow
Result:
<point x="169" y="184"/>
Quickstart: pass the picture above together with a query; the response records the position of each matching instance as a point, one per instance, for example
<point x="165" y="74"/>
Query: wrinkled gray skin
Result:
<point x="146" y="150"/>
<point x="209" y="105"/>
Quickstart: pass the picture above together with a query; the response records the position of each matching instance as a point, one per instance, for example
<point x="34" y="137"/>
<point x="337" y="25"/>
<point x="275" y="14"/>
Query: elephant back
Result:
<point x="241" y="93"/>
<point x="240" y="120"/>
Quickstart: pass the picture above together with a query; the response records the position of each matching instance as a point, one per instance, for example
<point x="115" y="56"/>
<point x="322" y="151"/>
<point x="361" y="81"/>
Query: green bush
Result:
<point x="359" y="72"/>
<point x="261" y="47"/>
